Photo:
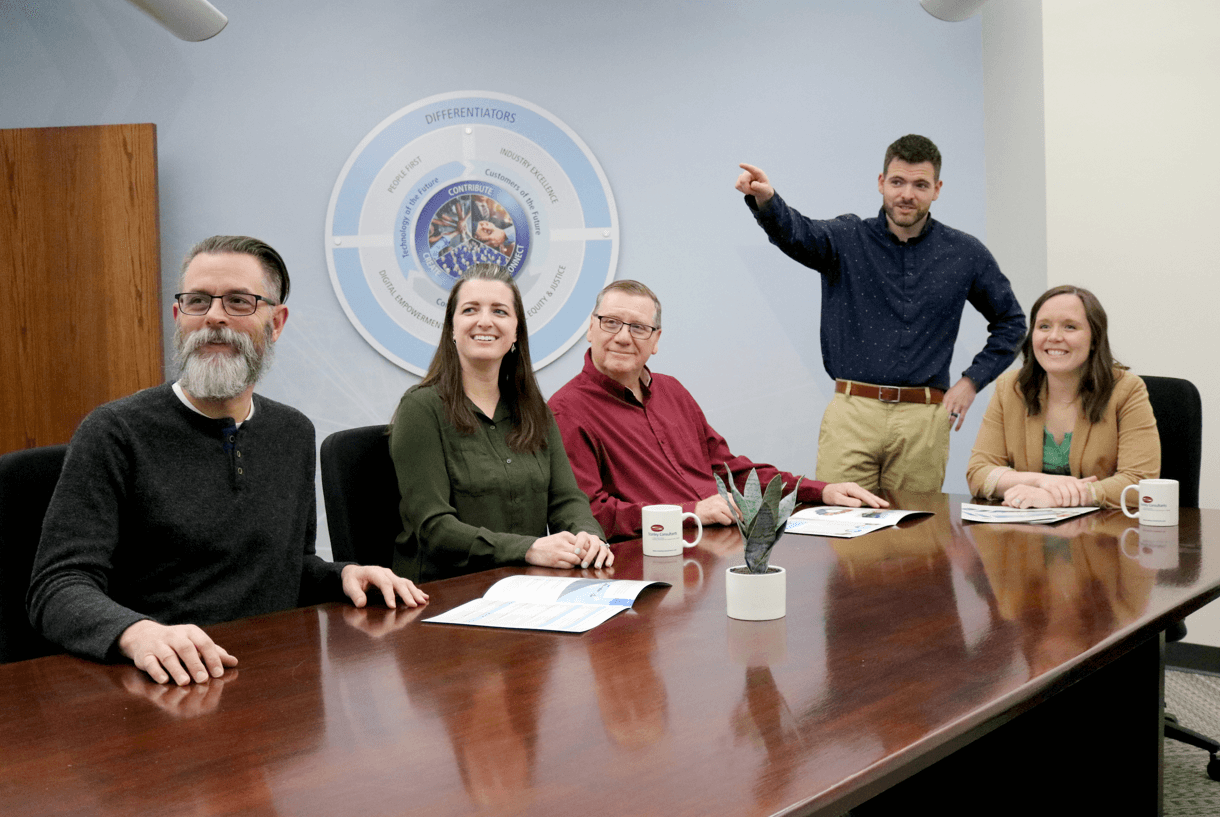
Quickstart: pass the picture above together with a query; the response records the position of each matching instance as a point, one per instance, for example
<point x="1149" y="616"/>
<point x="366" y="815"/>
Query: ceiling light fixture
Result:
<point x="190" y="20"/>
<point x="952" y="11"/>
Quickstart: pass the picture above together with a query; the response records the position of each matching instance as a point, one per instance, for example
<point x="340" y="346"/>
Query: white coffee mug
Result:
<point x="1158" y="502"/>
<point x="663" y="530"/>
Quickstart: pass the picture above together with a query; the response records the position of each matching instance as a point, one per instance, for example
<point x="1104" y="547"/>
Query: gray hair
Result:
<point x="631" y="288"/>
<point x="275" y="271"/>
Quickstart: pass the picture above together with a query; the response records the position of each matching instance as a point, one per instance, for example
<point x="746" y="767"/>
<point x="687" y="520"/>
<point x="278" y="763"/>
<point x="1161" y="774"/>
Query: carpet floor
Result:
<point x="1195" y="699"/>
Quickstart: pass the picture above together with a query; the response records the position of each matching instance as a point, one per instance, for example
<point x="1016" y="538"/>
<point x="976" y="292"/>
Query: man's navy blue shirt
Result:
<point x="891" y="310"/>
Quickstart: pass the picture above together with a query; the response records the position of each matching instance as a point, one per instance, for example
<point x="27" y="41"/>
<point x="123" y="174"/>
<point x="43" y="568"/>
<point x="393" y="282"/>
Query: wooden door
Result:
<point x="80" y="276"/>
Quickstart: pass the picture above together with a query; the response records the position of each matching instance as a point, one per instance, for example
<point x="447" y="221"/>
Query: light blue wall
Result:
<point x="254" y="126"/>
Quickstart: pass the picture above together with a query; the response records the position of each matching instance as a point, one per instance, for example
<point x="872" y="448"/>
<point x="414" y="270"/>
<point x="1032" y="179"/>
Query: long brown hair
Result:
<point x="1097" y="379"/>
<point x="518" y="388"/>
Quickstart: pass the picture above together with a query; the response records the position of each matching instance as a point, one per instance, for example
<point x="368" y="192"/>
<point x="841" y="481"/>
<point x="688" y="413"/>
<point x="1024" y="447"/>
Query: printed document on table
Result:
<point x="547" y="603"/>
<point x="844" y="523"/>
<point x="1028" y="516"/>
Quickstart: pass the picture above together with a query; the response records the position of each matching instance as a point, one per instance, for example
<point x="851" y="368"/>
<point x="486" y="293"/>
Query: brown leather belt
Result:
<point x="890" y="394"/>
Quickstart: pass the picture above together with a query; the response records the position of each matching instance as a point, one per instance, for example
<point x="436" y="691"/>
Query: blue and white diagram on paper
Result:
<point x="458" y="179"/>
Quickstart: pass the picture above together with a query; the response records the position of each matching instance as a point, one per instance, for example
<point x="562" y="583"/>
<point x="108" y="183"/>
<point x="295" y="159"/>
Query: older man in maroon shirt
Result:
<point x="636" y="438"/>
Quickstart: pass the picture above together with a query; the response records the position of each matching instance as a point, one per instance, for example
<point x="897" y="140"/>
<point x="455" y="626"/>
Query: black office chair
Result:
<point x="27" y="480"/>
<point x="1179" y="422"/>
<point x="360" y="489"/>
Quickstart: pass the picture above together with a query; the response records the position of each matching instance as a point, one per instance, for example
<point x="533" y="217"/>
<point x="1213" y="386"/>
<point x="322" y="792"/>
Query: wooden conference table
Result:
<point x="957" y="663"/>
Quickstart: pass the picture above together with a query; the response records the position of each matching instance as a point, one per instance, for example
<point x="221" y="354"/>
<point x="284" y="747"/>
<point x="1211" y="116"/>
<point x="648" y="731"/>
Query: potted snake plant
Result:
<point x="757" y="590"/>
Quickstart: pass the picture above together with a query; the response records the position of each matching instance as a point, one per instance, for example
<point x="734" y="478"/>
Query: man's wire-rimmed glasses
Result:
<point x="613" y="325"/>
<point x="236" y="304"/>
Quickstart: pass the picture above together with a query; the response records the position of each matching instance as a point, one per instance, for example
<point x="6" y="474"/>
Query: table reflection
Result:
<point x="764" y="719"/>
<point x="1067" y="586"/>
<point x="907" y="639"/>
<point x="191" y="701"/>
<point x="631" y="696"/>
<point x="893" y="620"/>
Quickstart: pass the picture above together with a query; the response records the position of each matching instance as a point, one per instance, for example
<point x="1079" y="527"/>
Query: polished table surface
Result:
<point x="898" y="648"/>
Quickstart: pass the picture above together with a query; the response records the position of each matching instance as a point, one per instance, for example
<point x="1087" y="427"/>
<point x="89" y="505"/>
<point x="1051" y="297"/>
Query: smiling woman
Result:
<point x="484" y="331"/>
<point x="482" y="471"/>
<point x="1072" y="427"/>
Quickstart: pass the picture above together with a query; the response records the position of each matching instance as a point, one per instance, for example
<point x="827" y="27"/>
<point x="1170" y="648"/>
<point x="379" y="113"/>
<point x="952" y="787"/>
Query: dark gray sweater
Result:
<point x="158" y="516"/>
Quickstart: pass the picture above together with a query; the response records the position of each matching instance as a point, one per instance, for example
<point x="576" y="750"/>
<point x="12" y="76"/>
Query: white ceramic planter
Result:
<point x="756" y="596"/>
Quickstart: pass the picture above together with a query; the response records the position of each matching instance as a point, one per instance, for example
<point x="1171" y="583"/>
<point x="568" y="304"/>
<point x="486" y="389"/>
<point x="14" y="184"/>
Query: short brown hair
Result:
<point x="913" y="149"/>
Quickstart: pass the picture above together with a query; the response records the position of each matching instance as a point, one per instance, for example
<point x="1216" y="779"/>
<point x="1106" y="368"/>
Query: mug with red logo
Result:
<point x="663" y="530"/>
<point x="1158" y="502"/>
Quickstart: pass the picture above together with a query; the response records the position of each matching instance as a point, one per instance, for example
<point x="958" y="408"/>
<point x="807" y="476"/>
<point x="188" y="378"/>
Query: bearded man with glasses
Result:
<point x="637" y="438"/>
<point x="193" y="503"/>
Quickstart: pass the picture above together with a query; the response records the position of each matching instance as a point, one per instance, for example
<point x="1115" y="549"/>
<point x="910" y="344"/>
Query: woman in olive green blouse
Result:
<point x="481" y="465"/>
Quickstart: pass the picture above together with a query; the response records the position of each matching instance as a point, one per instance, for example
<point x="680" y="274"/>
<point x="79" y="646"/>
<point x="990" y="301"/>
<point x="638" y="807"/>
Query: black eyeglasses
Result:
<point x="613" y="325"/>
<point x="236" y="304"/>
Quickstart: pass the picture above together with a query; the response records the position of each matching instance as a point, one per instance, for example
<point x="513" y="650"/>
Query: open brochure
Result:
<point x="1029" y="516"/>
<point x="547" y="603"/>
<point x="844" y="523"/>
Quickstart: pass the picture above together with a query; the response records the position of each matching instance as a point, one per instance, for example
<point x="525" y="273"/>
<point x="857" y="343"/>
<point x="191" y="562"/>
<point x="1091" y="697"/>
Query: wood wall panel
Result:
<point x="80" y="276"/>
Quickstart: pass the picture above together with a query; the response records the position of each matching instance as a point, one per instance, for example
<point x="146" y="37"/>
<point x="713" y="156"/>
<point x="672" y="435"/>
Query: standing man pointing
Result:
<point x="893" y="291"/>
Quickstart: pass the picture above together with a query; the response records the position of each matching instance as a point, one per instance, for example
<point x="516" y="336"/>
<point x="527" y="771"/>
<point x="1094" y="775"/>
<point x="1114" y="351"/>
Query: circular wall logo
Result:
<point x="458" y="179"/>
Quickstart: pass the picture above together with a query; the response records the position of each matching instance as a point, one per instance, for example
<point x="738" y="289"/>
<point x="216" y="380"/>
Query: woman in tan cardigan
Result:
<point x="1072" y="426"/>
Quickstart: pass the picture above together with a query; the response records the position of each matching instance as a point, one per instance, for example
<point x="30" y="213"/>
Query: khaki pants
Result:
<point x="883" y="445"/>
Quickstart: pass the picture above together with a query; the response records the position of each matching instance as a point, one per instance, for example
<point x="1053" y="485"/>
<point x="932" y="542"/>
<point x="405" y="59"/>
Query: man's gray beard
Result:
<point x="221" y="376"/>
